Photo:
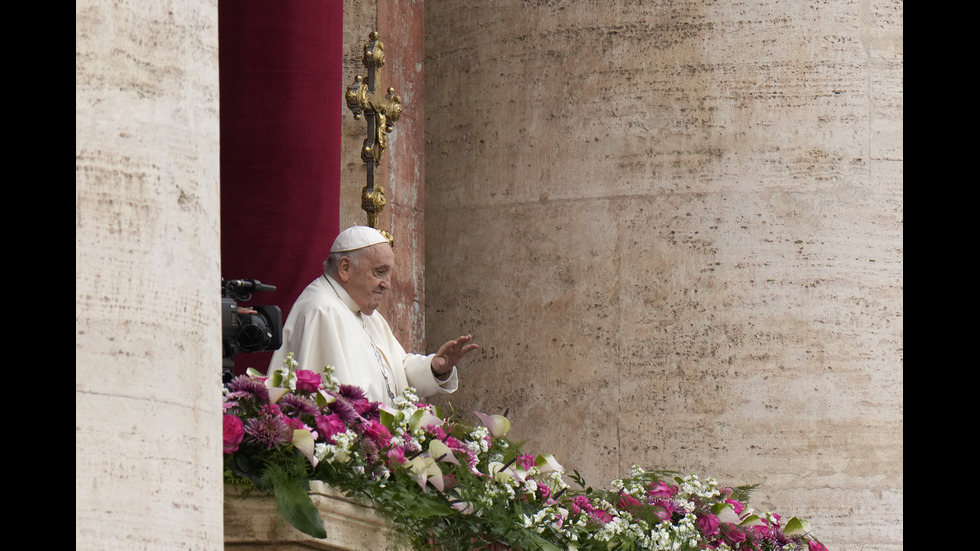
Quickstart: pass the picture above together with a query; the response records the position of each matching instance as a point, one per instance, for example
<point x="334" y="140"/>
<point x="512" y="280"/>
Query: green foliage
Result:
<point x="446" y="485"/>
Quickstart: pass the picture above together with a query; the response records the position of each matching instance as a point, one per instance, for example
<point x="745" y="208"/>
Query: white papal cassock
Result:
<point x="326" y="327"/>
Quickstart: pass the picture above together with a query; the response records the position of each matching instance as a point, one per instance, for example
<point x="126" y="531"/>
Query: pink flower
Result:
<point x="736" y="505"/>
<point x="601" y="516"/>
<point x="526" y="461"/>
<point x="307" y="381"/>
<point x="661" y="489"/>
<point x="578" y="503"/>
<point x="708" y="524"/>
<point x="629" y="502"/>
<point x="295" y="423"/>
<point x="732" y="533"/>
<point x="361" y="406"/>
<point x="377" y="432"/>
<point x="234" y="431"/>
<point x="663" y="509"/>
<point x="816" y="546"/>
<point x="397" y="454"/>
<point x="330" y="425"/>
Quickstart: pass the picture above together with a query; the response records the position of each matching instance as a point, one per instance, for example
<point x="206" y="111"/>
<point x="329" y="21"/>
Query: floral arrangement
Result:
<point x="444" y="485"/>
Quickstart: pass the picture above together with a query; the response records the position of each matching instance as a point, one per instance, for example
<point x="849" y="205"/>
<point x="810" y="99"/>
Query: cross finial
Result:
<point x="381" y="112"/>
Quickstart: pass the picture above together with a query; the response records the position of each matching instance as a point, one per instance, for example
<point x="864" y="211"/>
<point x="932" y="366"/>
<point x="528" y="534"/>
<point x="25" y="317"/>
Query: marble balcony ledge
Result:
<point x="253" y="523"/>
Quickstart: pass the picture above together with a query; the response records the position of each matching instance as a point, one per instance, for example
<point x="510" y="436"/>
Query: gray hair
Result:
<point x="332" y="262"/>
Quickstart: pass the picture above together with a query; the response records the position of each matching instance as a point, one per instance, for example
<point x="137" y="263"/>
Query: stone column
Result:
<point x="676" y="230"/>
<point x="148" y="472"/>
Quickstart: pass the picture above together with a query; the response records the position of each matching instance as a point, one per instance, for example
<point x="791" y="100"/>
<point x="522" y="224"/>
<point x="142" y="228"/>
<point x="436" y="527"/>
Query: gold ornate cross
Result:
<point x="381" y="112"/>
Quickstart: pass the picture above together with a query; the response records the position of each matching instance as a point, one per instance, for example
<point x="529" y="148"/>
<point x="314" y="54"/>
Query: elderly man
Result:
<point x="334" y="322"/>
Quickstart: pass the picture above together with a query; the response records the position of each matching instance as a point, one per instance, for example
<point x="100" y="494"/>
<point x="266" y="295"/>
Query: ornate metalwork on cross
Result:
<point x="380" y="112"/>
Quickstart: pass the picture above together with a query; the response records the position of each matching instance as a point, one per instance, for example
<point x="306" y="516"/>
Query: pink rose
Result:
<point x="234" y="431"/>
<point x="629" y="502"/>
<point x="307" y="381"/>
<point x="663" y="509"/>
<point x="732" y="533"/>
<point x="661" y="489"/>
<point x="816" y="546"/>
<point x="329" y="425"/>
<point x="708" y="524"/>
<point x="361" y="406"/>
<point x="377" y="432"/>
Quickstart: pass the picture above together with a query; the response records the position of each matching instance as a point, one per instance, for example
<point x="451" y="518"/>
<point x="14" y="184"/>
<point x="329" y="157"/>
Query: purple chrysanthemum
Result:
<point x="343" y="409"/>
<point x="370" y="410"/>
<point x="269" y="430"/>
<point x="351" y="393"/>
<point x="300" y="404"/>
<point x="244" y="386"/>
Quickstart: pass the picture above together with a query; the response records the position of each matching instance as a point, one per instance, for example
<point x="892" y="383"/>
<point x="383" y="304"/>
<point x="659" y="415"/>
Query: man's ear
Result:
<point x="344" y="269"/>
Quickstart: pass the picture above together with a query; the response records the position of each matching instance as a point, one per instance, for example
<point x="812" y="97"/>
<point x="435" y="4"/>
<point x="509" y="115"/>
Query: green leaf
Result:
<point x="545" y="545"/>
<point x="415" y="419"/>
<point x="796" y="527"/>
<point x="387" y="418"/>
<point x="295" y="505"/>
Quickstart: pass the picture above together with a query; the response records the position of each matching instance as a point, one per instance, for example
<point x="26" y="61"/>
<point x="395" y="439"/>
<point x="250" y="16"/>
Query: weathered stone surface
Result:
<point x="147" y="327"/>
<point x="253" y="522"/>
<point x="676" y="230"/>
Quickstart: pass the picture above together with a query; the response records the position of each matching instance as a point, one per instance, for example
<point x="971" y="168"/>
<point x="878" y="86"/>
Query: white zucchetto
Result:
<point x="357" y="237"/>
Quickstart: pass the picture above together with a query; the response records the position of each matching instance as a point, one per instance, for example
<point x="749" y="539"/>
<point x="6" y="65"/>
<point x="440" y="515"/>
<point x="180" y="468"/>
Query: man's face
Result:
<point x="368" y="276"/>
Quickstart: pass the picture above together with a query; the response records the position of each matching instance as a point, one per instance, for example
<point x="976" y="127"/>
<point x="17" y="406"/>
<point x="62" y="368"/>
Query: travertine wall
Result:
<point x="148" y="472"/>
<point x="676" y="230"/>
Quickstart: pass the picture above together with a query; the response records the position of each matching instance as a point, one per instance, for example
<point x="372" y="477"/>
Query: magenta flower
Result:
<point x="708" y="524"/>
<point x="629" y="502"/>
<point x="330" y="425"/>
<point x="271" y="428"/>
<point x="296" y="404"/>
<point x="736" y="505"/>
<point x="295" y="423"/>
<point x="661" y="489"/>
<point x="526" y="461"/>
<point x="579" y="503"/>
<point x="816" y="546"/>
<point x="601" y="516"/>
<point x="245" y="387"/>
<point x="437" y="432"/>
<point x="377" y="432"/>
<point x="342" y="407"/>
<point x="396" y="454"/>
<point x="366" y="409"/>
<point x="351" y="393"/>
<point x="307" y="381"/>
<point x="233" y="433"/>
<point x="732" y="533"/>
<point x="663" y="509"/>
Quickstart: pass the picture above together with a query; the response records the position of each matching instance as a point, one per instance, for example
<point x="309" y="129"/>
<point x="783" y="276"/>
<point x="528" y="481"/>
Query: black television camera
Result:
<point x="246" y="328"/>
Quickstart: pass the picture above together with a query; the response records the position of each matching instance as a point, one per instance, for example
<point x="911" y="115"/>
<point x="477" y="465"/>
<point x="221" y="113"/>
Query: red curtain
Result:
<point x="281" y="100"/>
